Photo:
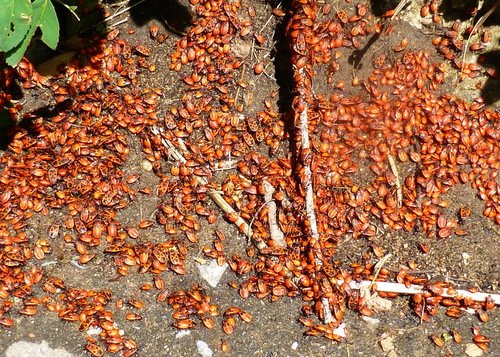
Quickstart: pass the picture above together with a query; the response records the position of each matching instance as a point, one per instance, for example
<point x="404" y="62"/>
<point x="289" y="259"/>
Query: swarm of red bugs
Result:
<point x="74" y="165"/>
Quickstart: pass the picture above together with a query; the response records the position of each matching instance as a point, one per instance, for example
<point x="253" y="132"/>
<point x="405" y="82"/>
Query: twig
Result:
<point x="239" y="86"/>
<point x="267" y="23"/>
<point x="397" y="288"/>
<point x="307" y="183"/>
<point x="422" y="313"/>
<point x="379" y="266"/>
<point x="400" y="8"/>
<point x="476" y="26"/>
<point x="119" y="22"/>
<point x="276" y="234"/>
<point x="399" y="189"/>
<point x="303" y="87"/>
<point x="118" y="13"/>
<point x="111" y="17"/>
<point x="242" y="225"/>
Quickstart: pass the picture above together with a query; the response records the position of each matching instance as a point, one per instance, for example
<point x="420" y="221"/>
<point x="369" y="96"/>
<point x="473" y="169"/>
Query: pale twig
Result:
<point x="413" y="289"/>
<point x="260" y="244"/>
<point x="277" y="235"/>
<point x="119" y="4"/>
<point x="422" y="312"/>
<point x="402" y="4"/>
<point x="118" y="13"/>
<point x="479" y="23"/>
<point x="308" y="187"/>
<point x="379" y="266"/>
<point x="111" y="17"/>
<point x="267" y="23"/>
<point x="242" y="225"/>
<point x="309" y="202"/>
<point x="302" y="123"/>
<point x="239" y="87"/>
<point x="327" y="311"/>
<point x="399" y="188"/>
<point x="119" y="22"/>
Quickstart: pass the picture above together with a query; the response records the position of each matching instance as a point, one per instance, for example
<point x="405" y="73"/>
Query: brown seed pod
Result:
<point x="278" y="12"/>
<point x="424" y="10"/>
<point x="228" y="325"/>
<point x="132" y="316"/>
<point x="483" y="316"/>
<point x="6" y="321"/>
<point x="258" y="68"/>
<point x="457" y="337"/>
<point x="438" y="341"/>
<point x="94" y="350"/>
<point x="142" y="50"/>
<point x="208" y="322"/>
<point x="401" y="46"/>
<point x="153" y="31"/>
<point x="245" y="316"/>
<point x="481" y="339"/>
<point x="133" y="232"/>
<point x="433" y="6"/>
<point x="184" y="324"/>
<point x="113" y="34"/>
<point x="138" y="304"/>
<point x="224" y="346"/>
<point x="261" y="39"/>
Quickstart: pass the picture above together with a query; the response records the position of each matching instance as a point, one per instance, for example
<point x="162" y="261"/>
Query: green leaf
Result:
<point x="47" y="22"/>
<point x="43" y="16"/>
<point x="13" y="56"/>
<point x="15" y="21"/>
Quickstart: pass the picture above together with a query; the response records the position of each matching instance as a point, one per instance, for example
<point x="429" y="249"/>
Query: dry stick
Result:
<point x="310" y="212"/>
<point x="303" y="87"/>
<point x="307" y="183"/>
<point x="402" y="4"/>
<point x="476" y="26"/>
<point x="242" y="225"/>
<point x="277" y="235"/>
<point x="239" y="86"/>
<point x="379" y="266"/>
<point x="119" y="12"/>
<point x="119" y="22"/>
<point x="111" y="17"/>
<point x="399" y="189"/>
<point x="398" y="288"/>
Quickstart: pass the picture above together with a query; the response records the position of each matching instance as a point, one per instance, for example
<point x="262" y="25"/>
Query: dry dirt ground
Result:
<point x="467" y="261"/>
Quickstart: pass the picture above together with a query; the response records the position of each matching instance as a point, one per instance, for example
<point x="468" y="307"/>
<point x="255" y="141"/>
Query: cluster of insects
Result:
<point x="74" y="163"/>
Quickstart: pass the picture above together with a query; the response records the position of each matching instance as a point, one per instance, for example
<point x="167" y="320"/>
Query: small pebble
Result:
<point x="472" y="350"/>
<point x="94" y="331"/>
<point x="42" y="349"/>
<point x="212" y="272"/>
<point x="466" y="257"/>
<point x="182" y="333"/>
<point x="203" y="349"/>
<point x="146" y="165"/>
<point x="295" y="345"/>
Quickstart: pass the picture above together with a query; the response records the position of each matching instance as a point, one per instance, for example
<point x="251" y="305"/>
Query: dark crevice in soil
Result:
<point x="174" y="16"/>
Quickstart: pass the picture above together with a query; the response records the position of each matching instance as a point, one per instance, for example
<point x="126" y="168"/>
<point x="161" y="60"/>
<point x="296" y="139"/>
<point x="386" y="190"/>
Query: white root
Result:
<point x="277" y="235"/>
<point x="308" y="187"/>
<point x="309" y="203"/>
<point x="398" y="288"/>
